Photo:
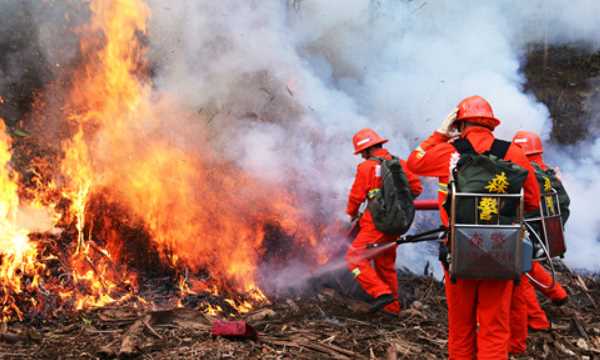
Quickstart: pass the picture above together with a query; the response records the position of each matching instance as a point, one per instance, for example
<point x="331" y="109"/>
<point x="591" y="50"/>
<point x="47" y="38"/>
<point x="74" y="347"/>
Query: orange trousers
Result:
<point x="518" y="317"/>
<point x="484" y="301"/>
<point x="376" y="276"/>
<point x="537" y="318"/>
<point x="539" y="273"/>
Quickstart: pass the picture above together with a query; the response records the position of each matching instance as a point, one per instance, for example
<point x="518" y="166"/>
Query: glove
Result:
<point x="444" y="129"/>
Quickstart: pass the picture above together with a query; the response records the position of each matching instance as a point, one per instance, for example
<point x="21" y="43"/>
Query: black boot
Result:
<point x="380" y="302"/>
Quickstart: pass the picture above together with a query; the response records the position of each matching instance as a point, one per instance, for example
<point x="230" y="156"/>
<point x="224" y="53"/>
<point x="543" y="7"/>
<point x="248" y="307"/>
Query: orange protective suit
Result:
<point x="556" y="293"/>
<point x="518" y="317"/>
<point x="536" y="317"/>
<point x="471" y="300"/>
<point x="381" y="278"/>
<point x="526" y="311"/>
<point x="538" y="159"/>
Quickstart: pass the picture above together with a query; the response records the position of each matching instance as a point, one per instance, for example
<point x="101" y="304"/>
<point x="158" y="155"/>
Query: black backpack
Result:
<point x="392" y="206"/>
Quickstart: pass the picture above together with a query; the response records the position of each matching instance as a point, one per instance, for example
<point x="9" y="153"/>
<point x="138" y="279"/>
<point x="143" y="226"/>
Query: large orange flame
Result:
<point x="105" y="94"/>
<point x="200" y="211"/>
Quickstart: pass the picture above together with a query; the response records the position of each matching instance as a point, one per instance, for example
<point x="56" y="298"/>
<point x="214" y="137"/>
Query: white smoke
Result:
<point x="579" y="170"/>
<point x="272" y="111"/>
<point x="287" y="83"/>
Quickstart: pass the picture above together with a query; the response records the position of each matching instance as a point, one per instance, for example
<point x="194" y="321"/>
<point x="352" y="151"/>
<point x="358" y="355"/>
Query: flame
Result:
<point x="204" y="216"/>
<point x="19" y="270"/>
<point x="242" y="307"/>
<point x="106" y="91"/>
<point x="213" y="311"/>
<point x="200" y="211"/>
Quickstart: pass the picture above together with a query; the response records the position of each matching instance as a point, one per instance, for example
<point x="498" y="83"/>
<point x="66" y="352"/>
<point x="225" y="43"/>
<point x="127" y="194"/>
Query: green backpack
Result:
<point x="486" y="236"/>
<point x="391" y="206"/>
<point x="485" y="173"/>
<point x="548" y="180"/>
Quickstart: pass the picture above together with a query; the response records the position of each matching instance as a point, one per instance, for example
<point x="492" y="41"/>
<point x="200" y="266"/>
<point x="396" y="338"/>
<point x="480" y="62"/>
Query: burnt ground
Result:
<point x="324" y="326"/>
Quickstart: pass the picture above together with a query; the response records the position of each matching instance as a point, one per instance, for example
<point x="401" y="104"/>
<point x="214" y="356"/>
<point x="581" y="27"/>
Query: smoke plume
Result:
<point x="289" y="83"/>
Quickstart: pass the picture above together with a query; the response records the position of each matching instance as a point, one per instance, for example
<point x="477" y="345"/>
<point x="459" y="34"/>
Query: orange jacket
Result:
<point x="537" y="158"/>
<point x="366" y="179"/>
<point x="432" y="158"/>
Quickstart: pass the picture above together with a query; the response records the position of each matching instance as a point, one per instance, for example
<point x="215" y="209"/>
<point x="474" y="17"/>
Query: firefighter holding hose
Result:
<point x="379" y="279"/>
<point x="478" y="310"/>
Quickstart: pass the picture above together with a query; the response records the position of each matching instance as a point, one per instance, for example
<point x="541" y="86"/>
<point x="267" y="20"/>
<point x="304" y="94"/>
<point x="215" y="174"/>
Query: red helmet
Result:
<point x="477" y="110"/>
<point x="366" y="138"/>
<point x="530" y="142"/>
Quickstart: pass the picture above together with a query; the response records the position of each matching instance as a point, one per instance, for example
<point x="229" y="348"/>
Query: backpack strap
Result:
<point x="380" y="160"/>
<point x="377" y="158"/>
<point x="463" y="146"/>
<point x="499" y="148"/>
<point x="537" y="167"/>
<point x="374" y="192"/>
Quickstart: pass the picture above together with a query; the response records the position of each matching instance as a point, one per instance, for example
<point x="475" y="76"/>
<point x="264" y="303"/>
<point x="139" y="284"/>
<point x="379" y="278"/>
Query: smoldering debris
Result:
<point x="327" y="325"/>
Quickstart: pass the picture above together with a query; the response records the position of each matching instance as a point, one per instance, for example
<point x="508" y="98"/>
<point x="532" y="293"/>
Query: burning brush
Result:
<point x="130" y="205"/>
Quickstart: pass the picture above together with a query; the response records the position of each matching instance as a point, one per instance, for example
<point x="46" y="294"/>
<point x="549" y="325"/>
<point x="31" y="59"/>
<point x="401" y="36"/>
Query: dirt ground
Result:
<point x="324" y="326"/>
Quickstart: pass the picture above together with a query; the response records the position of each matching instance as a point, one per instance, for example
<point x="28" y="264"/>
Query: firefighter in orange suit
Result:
<point x="379" y="281"/>
<point x="470" y="302"/>
<point x="536" y="317"/>
<point x="531" y="143"/>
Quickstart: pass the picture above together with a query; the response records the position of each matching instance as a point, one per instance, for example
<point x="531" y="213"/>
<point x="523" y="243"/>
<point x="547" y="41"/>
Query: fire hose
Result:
<point x="428" y="235"/>
<point x="427" y="205"/>
<point x="544" y="248"/>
